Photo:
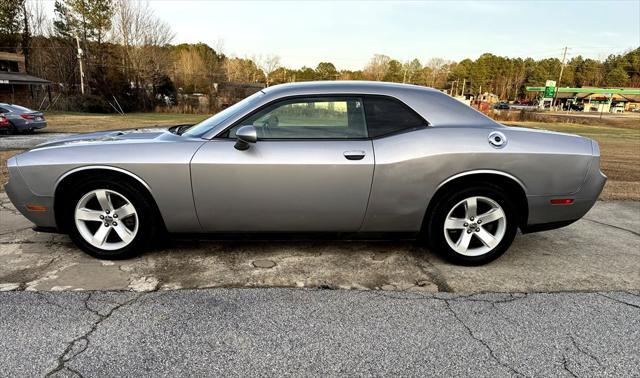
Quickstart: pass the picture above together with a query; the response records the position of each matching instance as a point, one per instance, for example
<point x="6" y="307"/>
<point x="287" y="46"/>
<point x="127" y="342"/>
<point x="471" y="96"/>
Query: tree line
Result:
<point x="126" y="53"/>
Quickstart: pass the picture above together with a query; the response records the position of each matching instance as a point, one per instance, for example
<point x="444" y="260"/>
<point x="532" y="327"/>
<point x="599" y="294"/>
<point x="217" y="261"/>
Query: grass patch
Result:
<point x="88" y="122"/>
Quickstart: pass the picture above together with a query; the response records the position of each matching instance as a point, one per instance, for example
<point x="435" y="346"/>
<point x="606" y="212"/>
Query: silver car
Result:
<point x="22" y="119"/>
<point x="350" y="158"/>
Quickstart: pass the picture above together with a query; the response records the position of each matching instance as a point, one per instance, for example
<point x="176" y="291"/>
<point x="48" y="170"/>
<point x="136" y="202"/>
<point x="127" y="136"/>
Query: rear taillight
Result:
<point x="28" y="116"/>
<point x="562" y="201"/>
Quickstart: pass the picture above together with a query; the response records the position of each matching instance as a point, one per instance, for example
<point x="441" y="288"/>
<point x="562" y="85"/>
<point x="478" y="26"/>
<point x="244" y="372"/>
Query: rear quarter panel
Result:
<point x="410" y="167"/>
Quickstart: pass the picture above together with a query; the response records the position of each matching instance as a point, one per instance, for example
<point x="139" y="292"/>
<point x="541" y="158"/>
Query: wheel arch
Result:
<point x="514" y="187"/>
<point x="71" y="177"/>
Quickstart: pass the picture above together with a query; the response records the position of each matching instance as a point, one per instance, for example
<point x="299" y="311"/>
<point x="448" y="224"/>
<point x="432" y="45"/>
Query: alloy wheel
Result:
<point x="106" y="219"/>
<point x="475" y="226"/>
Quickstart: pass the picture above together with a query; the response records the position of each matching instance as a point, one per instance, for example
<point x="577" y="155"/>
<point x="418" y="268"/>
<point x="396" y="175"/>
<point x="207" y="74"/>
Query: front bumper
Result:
<point x="21" y="196"/>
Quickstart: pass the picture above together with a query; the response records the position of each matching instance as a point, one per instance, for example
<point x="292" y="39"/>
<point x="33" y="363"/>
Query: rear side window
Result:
<point x="386" y="116"/>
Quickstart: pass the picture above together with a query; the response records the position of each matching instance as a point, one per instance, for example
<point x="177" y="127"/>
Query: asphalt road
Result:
<point x="302" y="332"/>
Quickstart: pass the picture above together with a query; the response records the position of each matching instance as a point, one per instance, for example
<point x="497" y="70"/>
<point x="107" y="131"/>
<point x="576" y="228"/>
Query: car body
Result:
<point x="342" y="157"/>
<point x="22" y="119"/>
<point x="501" y="106"/>
<point x="4" y="123"/>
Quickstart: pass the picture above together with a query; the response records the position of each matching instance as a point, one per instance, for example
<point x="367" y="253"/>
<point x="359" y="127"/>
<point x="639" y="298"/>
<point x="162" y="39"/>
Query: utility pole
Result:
<point x="464" y="81"/>
<point x="564" y="58"/>
<point x="80" y="62"/>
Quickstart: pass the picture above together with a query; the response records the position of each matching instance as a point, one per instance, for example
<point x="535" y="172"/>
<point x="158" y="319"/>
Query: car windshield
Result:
<point x="203" y="127"/>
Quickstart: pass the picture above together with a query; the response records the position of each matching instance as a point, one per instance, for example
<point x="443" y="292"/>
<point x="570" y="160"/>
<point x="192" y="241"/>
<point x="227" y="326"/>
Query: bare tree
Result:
<point x="38" y="20"/>
<point x="141" y="35"/>
<point x="268" y="64"/>
<point x="377" y="68"/>
<point x="439" y="69"/>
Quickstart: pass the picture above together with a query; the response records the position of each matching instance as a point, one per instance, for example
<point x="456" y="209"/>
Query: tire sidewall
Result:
<point x="137" y="199"/>
<point x="437" y="241"/>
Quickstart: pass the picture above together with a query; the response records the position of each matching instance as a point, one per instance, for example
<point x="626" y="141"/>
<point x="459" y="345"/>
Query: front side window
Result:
<point x="309" y="118"/>
<point x="205" y="126"/>
<point x="387" y="116"/>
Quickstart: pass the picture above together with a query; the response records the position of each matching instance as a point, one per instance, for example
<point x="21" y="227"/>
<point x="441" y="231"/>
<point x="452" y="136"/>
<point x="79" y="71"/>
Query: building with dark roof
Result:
<point x="18" y="87"/>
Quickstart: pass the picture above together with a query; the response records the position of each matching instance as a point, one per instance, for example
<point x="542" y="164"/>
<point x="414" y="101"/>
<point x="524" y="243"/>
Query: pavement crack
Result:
<point x="472" y="298"/>
<point x="45" y="298"/>
<point x="481" y="341"/>
<point x="83" y="341"/>
<point x="432" y="272"/>
<point x="565" y="365"/>
<point x="15" y="230"/>
<point x="619" y="300"/>
<point x="582" y="350"/>
<point x="612" y="226"/>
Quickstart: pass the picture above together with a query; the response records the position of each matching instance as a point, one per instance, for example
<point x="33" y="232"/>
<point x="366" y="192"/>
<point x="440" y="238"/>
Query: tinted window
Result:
<point x="309" y="118"/>
<point x="386" y="116"/>
<point x="3" y="110"/>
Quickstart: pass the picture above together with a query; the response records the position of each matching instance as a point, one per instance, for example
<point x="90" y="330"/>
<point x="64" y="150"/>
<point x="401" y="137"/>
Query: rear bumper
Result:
<point x="545" y="216"/>
<point x="30" y="125"/>
<point x="21" y="196"/>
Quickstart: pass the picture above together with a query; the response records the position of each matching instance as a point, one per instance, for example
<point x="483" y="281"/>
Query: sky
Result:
<point x="349" y="33"/>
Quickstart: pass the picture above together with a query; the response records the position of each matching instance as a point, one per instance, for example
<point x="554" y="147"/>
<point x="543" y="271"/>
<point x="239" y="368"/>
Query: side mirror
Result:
<point x="245" y="135"/>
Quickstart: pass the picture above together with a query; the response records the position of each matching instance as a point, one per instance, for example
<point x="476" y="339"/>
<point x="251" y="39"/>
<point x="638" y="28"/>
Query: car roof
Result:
<point x="438" y="108"/>
<point x="354" y="85"/>
<point x="15" y="107"/>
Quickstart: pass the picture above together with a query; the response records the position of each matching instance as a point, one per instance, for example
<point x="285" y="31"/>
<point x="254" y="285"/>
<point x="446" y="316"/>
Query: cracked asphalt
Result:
<point x="312" y="332"/>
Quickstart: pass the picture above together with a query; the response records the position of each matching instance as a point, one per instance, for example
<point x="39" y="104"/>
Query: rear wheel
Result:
<point x="109" y="220"/>
<point x="11" y="129"/>
<point x="473" y="226"/>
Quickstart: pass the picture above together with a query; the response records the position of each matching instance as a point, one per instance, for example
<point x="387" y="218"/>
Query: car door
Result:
<point x="310" y="170"/>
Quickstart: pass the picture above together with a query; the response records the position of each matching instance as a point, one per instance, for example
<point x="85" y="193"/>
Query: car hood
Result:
<point x="102" y="137"/>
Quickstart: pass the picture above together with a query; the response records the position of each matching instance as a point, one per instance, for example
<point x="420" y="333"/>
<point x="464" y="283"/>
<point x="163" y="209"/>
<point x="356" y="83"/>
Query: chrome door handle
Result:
<point x="354" y="155"/>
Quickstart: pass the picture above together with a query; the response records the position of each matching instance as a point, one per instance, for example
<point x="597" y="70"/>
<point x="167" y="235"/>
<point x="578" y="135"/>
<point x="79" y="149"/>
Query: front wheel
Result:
<point x="473" y="226"/>
<point x="109" y="220"/>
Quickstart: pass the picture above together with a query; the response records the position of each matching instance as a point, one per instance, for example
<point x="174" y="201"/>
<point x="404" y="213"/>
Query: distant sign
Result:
<point x="549" y="88"/>
<point x="549" y="91"/>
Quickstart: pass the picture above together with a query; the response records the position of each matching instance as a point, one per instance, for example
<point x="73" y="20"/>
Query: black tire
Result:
<point x="11" y="130"/>
<point x="147" y="224"/>
<point x="435" y="225"/>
